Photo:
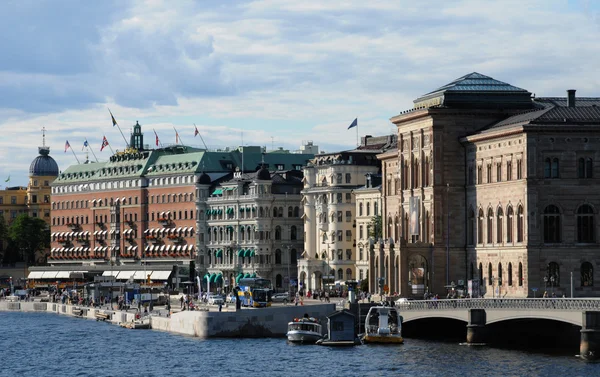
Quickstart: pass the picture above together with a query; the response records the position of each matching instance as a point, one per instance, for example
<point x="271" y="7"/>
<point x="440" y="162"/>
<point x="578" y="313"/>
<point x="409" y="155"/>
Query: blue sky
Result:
<point x="278" y="72"/>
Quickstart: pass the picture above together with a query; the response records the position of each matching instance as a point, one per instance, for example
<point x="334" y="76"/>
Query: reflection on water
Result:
<point x="40" y="344"/>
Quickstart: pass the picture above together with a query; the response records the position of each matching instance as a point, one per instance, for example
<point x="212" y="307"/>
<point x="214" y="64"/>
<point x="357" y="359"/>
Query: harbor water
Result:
<point x="42" y="344"/>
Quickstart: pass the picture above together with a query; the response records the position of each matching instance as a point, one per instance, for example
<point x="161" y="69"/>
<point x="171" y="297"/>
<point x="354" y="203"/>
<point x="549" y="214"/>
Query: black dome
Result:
<point x="204" y="179"/>
<point x="263" y="174"/>
<point x="43" y="165"/>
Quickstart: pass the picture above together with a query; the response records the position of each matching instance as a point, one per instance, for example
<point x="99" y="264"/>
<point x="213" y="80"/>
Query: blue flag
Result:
<point x="354" y="124"/>
<point x="85" y="144"/>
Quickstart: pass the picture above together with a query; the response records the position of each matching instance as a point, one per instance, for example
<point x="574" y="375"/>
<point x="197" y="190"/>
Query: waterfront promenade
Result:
<point x="205" y="323"/>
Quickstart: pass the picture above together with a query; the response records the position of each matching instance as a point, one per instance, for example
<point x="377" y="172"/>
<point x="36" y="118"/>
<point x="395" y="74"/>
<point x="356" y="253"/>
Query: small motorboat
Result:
<point x="138" y="324"/>
<point x="383" y="324"/>
<point x="306" y="330"/>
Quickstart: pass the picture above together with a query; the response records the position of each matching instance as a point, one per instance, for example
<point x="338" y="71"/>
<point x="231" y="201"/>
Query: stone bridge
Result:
<point x="477" y="313"/>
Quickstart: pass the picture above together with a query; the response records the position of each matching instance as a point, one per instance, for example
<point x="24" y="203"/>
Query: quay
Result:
<point x="207" y="323"/>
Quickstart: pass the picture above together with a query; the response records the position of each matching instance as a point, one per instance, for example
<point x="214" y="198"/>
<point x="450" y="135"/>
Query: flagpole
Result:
<point x="117" y="124"/>
<point x="88" y="146"/>
<point x="177" y="136"/>
<point x="205" y="147"/>
<point x="156" y="135"/>
<point x="74" y="154"/>
<point x="111" y="150"/>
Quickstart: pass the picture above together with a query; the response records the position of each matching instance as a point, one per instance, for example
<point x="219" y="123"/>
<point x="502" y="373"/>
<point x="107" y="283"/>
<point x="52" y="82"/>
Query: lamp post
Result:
<point x="545" y="286"/>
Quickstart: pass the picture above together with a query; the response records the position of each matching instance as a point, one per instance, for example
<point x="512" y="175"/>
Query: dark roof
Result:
<point x="263" y="174"/>
<point x="43" y="165"/>
<point x="555" y="110"/>
<point x="476" y="91"/>
<point x="204" y="179"/>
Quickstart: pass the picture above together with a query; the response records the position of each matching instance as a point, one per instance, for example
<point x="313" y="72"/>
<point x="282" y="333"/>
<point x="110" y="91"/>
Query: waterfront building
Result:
<point x="140" y="207"/>
<point x="493" y="186"/>
<point x="368" y="237"/>
<point x="33" y="199"/>
<point x="250" y="225"/>
<point x="330" y="256"/>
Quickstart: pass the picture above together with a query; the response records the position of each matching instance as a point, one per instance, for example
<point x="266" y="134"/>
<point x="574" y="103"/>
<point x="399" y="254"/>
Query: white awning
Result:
<point x="63" y="274"/>
<point x="35" y="275"/>
<point x="86" y="233"/>
<point x="125" y="275"/>
<point x="178" y="248"/>
<point x="162" y="248"/>
<point x="141" y="275"/>
<point x="110" y="273"/>
<point x="134" y="248"/>
<point x="112" y="231"/>
<point x="96" y="232"/>
<point x="190" y="247"/>
<point x="160" y="275"/>
<point x="93" y="201"/>
<point x="104" y="232"/>
<point x="49" y="274"/>
<point x="147" y="231"/>
<point x="162" y="214"/>
<point x="147" y="248"/>
<point x="179" y="229"/>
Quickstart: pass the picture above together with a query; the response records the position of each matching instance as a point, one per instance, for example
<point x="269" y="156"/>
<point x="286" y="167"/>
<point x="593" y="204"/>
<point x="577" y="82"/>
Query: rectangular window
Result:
<point x="339" y="216"/>
<point x="339" y="235"/>
<point x="339" y="178"/>
<point x="489" y="173"/>
<point x="348" y="216"/>
<point x="348" y="178"/>
<point x="519" y="169"/>
<point x="509" y="170"/>
<point x="499" y="172"/>
<point x="348" y="235"/>
<point x="360" y="232"/>
<point x="479" y="175"/>
<point x="13" y="200"/>
<point x="339" y="197"/>
<point x="348" y="197"/>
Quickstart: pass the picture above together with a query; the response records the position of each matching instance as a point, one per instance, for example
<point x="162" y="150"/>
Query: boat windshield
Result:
<point x="300" y="326"/>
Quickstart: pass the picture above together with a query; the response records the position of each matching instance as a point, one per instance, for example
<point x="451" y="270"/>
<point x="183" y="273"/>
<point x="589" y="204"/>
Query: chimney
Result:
<point x="571" y="97"/>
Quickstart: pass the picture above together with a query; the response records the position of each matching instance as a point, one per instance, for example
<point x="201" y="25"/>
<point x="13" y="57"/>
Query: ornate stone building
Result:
<point x="250" y="226"/>
<point x="493" y="186"/>
<point x="329" y="212"/>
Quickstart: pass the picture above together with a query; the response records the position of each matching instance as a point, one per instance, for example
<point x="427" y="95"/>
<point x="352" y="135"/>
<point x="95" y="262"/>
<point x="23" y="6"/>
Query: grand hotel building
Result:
<point x="493" y="186"/>
<point x="140" y="207"/>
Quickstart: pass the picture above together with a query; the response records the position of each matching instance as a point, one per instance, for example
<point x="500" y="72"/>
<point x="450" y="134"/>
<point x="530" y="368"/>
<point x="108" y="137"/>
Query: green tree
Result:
<point x="375" y="230"/>
<point x="29" y="235"/>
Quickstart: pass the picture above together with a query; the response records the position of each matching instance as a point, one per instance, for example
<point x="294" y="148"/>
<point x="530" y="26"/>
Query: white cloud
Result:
<point x="284" y="69"/>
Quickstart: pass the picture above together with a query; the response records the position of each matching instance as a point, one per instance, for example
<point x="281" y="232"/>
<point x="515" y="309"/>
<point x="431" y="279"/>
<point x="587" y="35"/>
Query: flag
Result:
<point x="113" y="118"/>
<point x="85" y="144"/>
<point x="104" y="143"/>
<point x="156" y="138"/>
<point x="7" y="179"/>
<point x="354" y="123"/>
<point x="196" y="132"/>
<point x="176" y="137"/>
<point x="67" y="146"/>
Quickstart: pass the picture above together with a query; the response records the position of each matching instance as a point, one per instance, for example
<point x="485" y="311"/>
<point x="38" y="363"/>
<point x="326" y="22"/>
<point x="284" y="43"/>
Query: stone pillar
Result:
<point x="589" y="346"/>
<point x="476" y="328"/>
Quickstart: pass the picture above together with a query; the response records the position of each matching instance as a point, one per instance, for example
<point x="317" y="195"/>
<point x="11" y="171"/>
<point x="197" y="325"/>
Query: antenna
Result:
<point x="44" y="136"/>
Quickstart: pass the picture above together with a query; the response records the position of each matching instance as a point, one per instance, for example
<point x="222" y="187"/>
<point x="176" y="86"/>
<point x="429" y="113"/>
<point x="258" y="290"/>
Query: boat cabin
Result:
<point x="341" y="326"/>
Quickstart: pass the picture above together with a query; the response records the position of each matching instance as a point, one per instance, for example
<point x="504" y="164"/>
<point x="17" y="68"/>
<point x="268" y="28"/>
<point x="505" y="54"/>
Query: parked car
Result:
<point x="403" y="301"/>
<point x="215" y="300"/>
<point x="281" y="297"/>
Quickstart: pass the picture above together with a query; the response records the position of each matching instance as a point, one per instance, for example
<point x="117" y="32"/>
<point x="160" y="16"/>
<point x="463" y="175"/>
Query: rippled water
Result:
<point x="42" y="344"/>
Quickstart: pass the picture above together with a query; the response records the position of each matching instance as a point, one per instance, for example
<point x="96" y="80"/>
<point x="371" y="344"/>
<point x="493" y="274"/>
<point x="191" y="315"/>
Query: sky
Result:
<point x="266" y="72"/>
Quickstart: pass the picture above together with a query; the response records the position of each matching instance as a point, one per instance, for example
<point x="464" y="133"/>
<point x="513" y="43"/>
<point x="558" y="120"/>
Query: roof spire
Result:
<point x="44" y="136"/>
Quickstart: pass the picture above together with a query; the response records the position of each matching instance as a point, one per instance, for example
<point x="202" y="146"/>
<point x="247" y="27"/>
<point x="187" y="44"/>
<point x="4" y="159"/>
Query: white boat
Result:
<point x="304" y="330"/>
<point x="383" y="324"/>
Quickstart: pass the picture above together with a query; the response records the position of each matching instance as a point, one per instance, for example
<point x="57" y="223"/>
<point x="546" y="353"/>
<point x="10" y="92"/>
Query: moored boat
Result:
<point x="383" y="324"/>
<point x="306" y="330"/>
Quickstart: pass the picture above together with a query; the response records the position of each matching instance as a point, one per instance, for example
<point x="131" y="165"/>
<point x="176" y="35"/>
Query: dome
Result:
<point x="263" y="174"/>
<point x="43" y="165"/>
<point x="204" y="179"/>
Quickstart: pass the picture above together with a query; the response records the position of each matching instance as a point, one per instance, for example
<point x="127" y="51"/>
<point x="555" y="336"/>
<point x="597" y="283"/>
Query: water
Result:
<point x="42" y="344"/>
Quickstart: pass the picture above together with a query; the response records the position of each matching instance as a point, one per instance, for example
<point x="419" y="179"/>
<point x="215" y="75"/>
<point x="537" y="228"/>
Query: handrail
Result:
<point x="502" y="303"/>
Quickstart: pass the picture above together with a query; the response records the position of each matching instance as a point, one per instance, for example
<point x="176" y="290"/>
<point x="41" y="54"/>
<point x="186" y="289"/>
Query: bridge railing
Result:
<point x="502" y="303"/>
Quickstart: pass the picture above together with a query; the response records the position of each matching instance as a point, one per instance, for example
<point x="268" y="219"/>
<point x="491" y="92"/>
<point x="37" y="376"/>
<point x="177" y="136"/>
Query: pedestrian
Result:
<point x="181" y="301"/>
<point x="545" y="294"/>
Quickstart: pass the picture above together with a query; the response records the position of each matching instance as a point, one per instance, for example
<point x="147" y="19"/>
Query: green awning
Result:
<point x="247" y="253"/>
<point x="230" y="188"/>
<point x="206" y="277"/>
<point x="253" y="253"/>
<point x="253" y="209"/>
<point x="253" y="275"/>
<point x="237" y="279"/>
<point x="213" y="211"/>
<point x="219" y="211"/>
<point x="219" y="253"/>
<point x="241" y="252"/>
<point x="208" y="211"/>
<point x="241" y="209"/>
<point x="247" y="275"/>
<point x="215" y="278"/>
<point x="242" y="228"/>
<point x="218" y="192"/>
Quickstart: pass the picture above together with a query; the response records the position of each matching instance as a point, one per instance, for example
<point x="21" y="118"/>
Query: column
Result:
<point x="476" y="327"/>
<point x="589" y="345"/>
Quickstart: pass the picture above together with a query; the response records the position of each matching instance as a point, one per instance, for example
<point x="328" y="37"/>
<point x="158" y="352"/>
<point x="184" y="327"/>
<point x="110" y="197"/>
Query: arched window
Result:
<point x="375" y="209"/>
<point x="587" y="274"/>
<point x="510" y="279"/>
<point x="489" y="274"/>
<point x="499" y="222"/>
<point x="585" y="224"/>
<point x="274" y="211"/>
<point x="340" y="274"/>
<point x="480" y="227"/>
<point x="551" y="219"/>
<point x="293" y="232"/>
<point x="471" y="227"/>
<point x="552" y="278"/>
<point x="290" y="212"/>
<point x="509" y="224"/>
<point x="520" y="221"/>
<point x="278" y="232"/>
<point x="499" y="273"/>
<point x="490" y="226"/>
<point x="349" y="274"/>
<point x="360" y="209"/>
<point x="296" y="211"/>
<point x="280" y="213"/>
<point x="277" y="256"/>
<point x="368" y="209"/>
<point x="520" y="277"/>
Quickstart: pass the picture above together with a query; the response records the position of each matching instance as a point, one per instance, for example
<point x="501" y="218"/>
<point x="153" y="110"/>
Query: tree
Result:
<point x="375" y="230"/>
<point x="29" y="235"/>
